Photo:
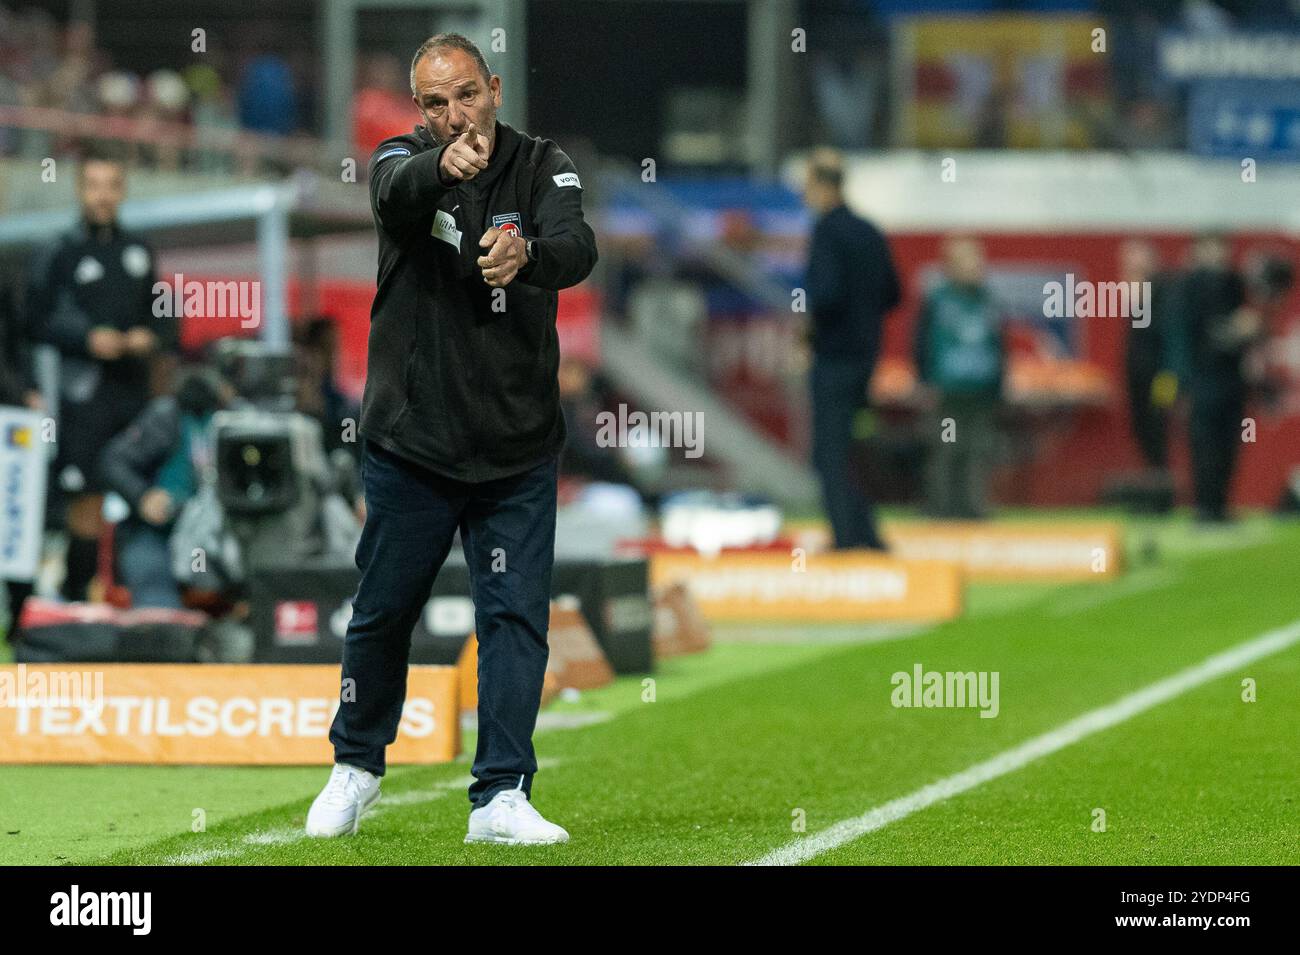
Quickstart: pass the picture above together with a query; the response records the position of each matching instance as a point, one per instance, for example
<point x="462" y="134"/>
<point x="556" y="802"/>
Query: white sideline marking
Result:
<point x="238" y="845"/>
<point x="271" y="837"/>
<point x="1008" y="761"/>
<point x="196" y="857"/>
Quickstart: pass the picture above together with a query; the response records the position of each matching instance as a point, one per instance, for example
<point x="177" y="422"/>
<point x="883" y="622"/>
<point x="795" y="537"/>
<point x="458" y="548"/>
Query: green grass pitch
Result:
<point x="741" y="742"/>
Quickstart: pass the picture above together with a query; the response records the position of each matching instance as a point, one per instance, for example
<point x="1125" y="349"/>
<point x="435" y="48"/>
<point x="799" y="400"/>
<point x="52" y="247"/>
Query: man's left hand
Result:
<point x="506" y="255"/>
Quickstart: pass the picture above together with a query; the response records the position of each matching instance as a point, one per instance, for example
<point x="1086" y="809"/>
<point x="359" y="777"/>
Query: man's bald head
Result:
<point x="454" y="90"/>
<point x="450" y="41"/>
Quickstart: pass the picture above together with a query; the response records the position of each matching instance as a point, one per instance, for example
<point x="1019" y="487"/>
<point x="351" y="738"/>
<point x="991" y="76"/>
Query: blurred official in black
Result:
<point x="851" y="284"/>
<point x="1147" y="355"/>
<point x="1215" y="332"/>
<point x="91" y="297"/>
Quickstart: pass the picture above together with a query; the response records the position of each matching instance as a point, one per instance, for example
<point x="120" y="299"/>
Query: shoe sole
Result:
<point x="347" y="830"/>
<point x="505" y="841"/>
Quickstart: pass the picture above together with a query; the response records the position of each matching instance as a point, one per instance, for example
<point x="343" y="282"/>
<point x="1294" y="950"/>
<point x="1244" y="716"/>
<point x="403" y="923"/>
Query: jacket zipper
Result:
<point x="475" y="215"/>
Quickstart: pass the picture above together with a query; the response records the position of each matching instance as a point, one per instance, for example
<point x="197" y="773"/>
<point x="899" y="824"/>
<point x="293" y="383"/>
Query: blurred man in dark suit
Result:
<point x="1215" y="331"/>
<point x="851" y="284"/>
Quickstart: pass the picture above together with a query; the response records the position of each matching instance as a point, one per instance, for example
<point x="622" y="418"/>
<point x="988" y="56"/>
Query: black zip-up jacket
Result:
<point x="97" y="276"/>
<point x="851" y="285"/>
<point x="461" y="377"/>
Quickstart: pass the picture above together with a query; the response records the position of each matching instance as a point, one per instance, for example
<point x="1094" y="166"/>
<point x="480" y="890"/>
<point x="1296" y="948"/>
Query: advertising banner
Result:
<point x="205" y="714"/>
<point x="23" y="469"/>
<point x="844" y="586"/>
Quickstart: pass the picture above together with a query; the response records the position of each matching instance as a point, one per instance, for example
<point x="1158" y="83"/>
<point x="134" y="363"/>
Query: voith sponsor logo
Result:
<point x="129" y="909"/>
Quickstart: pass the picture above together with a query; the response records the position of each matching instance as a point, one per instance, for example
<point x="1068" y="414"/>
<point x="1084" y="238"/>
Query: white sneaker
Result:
<point x="338" y="809"/>
<point x="511" y="819"/>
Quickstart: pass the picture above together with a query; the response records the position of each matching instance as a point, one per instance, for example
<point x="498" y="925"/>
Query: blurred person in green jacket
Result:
<point x="960" y="361"/>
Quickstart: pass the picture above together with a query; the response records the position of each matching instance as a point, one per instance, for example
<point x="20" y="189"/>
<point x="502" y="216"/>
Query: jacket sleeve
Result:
<point x="48" y="323"/>
<point x="130" y="461"/>
<point x="565" y="245"/>
<point x="404" y="184"/>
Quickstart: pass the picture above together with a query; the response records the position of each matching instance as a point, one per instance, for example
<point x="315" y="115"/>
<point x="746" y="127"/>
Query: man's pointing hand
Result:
<point x="465" y="156"/>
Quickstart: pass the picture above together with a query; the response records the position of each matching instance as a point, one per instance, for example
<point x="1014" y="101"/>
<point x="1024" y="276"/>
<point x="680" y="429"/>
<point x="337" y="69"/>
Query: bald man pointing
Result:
<point x="479" y="227"/>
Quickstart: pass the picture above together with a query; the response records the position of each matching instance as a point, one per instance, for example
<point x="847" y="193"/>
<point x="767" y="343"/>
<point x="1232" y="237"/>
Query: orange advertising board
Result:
<point x="1013" y="550"/>
<point x="842" y="586"/>
<point x="237" y="714"/>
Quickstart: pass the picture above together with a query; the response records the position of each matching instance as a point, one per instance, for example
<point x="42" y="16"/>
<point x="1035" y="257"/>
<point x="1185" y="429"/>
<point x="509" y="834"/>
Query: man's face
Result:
<point x="1212" y="253"/>
<point x="101" y="188"/>
<point x="814" y="194"/>
<point x="1137" y="260"/>
<point x="965" y="261"/>
<point x="451" y="93"/>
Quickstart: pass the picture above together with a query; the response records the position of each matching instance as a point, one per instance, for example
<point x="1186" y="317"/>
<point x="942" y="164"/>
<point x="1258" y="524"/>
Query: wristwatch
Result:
<point x="530" y="250"/>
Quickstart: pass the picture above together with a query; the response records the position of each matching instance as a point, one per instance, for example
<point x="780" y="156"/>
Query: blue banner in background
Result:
<point x="1244" y="118"/>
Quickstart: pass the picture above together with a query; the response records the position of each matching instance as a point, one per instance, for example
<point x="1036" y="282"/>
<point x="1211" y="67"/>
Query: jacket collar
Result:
<point x="104" y="234"/>
<point x="505" y="144"/>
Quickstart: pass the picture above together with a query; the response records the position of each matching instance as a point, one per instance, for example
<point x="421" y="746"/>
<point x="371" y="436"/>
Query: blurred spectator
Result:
<point x="166" y="103"/>
<point x="849" y="51"/>
<point x="91" y="298"/>
<point x="846" y="92"/>
<point x="316" y="347"/>
<point x="583" y="398"/>
<point x="156" y="465"/>
<point x="268" y="102"/>
<point x="851" y="284"/>
<point x="382" y="106"/>
<point x="71" y="85"/>
<point x="317" y="395"/>
<point x="211" y="112"/>
<point x="960" y="356"/>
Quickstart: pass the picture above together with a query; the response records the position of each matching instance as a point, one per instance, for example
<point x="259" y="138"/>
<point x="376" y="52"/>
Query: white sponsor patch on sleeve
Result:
<point x="567" y="179"/>
<point x="395" y="151"/>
